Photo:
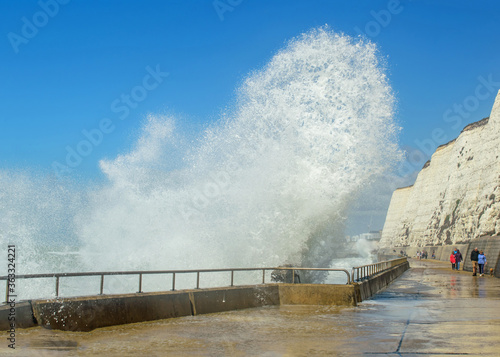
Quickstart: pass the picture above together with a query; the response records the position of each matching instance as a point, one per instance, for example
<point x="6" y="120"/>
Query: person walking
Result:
<point x="474" y="258"/>
<point x="452" y="260"/>
<point x="458" y="258"/>
<point x="481" y="262"/>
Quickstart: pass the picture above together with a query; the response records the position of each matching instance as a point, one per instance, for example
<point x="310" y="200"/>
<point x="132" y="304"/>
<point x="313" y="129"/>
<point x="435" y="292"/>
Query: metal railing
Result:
<point x="365" y="271"/>
<point x="198" y="272"/>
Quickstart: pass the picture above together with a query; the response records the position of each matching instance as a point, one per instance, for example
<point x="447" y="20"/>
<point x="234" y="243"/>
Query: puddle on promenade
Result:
<point x="268" y="331"/>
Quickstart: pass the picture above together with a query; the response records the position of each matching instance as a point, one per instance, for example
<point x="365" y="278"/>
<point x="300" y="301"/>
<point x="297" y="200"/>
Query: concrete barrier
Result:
<point x="91" y="312"/>
<point x="88" y="313"/>
<point x="20" y="313"/>
<point x="369" y="287"/>
<point x="314" y="294"/>
<point x="234" y="298"/>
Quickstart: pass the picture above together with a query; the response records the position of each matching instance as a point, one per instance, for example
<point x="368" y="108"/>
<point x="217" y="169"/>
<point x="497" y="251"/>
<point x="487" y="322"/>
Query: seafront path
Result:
<point x="430" y="310"/>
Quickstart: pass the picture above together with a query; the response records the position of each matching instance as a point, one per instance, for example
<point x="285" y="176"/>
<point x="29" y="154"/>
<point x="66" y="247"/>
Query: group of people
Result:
<point x="422" y="255"/>
<point x="455" y="259"/>
<point x="478" y="260"/>
<point x="477" y="257"/>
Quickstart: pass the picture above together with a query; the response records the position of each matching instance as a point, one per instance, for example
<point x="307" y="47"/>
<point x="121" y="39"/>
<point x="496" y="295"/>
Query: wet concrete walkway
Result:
<point x="430" y="310"/>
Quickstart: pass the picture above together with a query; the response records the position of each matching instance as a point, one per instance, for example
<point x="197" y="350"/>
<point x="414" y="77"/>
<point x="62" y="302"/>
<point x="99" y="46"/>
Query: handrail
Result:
<point x="365" y="271"/>
<point x="173" y="272"/>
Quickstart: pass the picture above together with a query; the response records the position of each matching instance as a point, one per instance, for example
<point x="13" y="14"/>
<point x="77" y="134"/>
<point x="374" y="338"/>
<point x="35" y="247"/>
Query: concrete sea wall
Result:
<point x="91" y="312"/>
<point x="490" y="246"/>
<point x="378" y="282"/>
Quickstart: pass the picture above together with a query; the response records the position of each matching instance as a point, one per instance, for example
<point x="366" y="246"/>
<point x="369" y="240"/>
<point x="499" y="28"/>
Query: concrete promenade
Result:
<point x="430" y="310"/>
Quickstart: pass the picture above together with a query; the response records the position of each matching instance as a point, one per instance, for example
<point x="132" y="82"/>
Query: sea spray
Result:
<point x="36" y="216"/>
<point x="269" y="183"/>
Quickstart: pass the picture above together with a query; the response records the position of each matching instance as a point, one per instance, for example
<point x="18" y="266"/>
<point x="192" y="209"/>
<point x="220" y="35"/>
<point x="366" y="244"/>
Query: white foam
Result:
<point x="269" y="183"/>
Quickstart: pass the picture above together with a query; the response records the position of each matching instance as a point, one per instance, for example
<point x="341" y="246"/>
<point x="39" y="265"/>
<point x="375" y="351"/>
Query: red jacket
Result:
<point x="452" y="258"/>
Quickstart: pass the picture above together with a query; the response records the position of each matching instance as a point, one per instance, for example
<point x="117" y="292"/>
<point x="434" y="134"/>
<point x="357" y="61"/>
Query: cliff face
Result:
<point x="456" y="197"/>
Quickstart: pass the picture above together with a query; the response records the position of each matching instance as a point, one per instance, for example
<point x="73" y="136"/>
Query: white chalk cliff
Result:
<point x="456" y="196"/>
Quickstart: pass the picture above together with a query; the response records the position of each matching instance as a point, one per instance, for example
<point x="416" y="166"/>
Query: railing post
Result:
<point x="232" y="277"/>
<point x="140" y="283"/>
<point x="197" y="280"/>
<point x="293" y="276"/>
<point x="57" y="286"/>
<point x="173" y="281"/>
<point x="263" y="276"/>
<point x="102" y="284"/>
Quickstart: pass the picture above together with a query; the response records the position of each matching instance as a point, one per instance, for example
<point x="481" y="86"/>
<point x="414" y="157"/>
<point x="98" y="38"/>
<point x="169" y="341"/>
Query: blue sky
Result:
<point x="66" y="64"/>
